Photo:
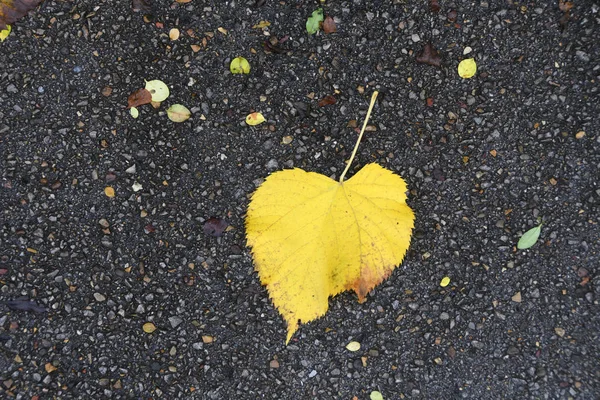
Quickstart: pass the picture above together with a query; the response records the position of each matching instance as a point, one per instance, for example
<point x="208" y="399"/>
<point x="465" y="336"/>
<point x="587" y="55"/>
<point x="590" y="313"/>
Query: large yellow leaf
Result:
<point x="313" y="237"/>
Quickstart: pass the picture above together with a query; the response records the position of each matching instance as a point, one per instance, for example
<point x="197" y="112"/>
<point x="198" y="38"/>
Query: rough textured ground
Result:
<point x="483" y="162"/>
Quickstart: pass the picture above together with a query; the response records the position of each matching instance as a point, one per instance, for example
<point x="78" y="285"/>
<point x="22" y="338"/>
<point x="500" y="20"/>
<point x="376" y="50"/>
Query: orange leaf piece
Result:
<point x="12" y="10"/>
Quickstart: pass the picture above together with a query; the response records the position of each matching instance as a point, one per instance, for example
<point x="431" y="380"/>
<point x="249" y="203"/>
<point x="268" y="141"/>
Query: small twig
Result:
<point x="373" y="98"/>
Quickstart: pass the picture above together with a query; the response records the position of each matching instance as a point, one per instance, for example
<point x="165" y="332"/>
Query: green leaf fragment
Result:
<point x="375" y="395"/>
<point x="134" y="112"/>
<point x="239" y="65"/>
<point x="158" y="89"/>
<point x="313" y="22"/>
<point x="529" y="238"/>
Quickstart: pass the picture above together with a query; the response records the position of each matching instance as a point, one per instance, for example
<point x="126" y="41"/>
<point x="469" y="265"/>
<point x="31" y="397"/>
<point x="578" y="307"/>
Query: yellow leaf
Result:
<point x="178" y="113"/>
<point x="109" y="192"/>
<point x="313" y="237"/>
<point x="49" y="367"/>
<point x="148" y="327"/>
<point x="158" y="89"/>
<point x="134" y="112"/>
<point x="467" y="68"/>
<point x="255" y="118"/>
<point x="375" y="395"/>
<point x="445" y="281"/>
<point x="261" y="24"/>
<point x="353" y="346"/>
<point x="239" y="65"/>
<point x="4" y="33"/>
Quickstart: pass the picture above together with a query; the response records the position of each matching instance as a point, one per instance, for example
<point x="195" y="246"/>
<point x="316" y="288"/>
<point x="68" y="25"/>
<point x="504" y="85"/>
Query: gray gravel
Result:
<point x="484" y="158"/>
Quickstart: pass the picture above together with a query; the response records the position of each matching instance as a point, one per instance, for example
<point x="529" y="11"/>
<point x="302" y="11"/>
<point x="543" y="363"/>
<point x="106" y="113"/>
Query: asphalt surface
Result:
<point x="485" y="159"/>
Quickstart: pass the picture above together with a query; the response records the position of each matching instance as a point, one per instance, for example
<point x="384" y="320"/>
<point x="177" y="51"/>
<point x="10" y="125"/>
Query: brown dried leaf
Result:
<point x="329" y="25"/>
<point x="429" y="55"/>
<point x="434" y="5"/>
<point x="327" y="100"/>
<point x="12" y="10"/>
<point x="138" y="98"/>
<point x="565" y="5"/>
<point x="215" y="226"/>
<point x="141" y="6"/>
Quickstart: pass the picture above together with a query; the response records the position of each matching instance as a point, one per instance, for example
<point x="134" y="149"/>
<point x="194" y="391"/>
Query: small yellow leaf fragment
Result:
<point x="261" y="24"/>
<point x="239" y="65"/>
<point x="222" y="30"/>
<point x="580" y="135"/>
<point x="174" y="34"/>
<point x="109" y="191"/>
<point x="467" y="68"/>
<point x="445" y="281"/>
<point x="375" y="395"/>
<point x="178" y="113"/>
<point x="4" y="33"/>
<point x="18" y="359"/>
<point x="158" y="89"/>
<point x="353" y="346"/>
<point x="207" y="339"/>
<point x="149" y="327"/>
<point x="134" y="112"/>
<point x="255" y="118"/>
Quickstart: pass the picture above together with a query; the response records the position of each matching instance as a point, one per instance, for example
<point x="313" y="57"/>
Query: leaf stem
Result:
<point x="373" y="98"/>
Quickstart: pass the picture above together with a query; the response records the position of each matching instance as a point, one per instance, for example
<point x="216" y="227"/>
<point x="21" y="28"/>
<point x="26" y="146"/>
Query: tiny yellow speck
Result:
<point x="445" y="281"/>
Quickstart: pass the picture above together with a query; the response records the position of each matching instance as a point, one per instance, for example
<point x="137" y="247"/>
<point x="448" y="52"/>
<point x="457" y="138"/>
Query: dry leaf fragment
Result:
<point x="445" y="281"/>
<point x="134" y="112"/>
<point x="329" y="25"/>
<point x="49" y="367"/>
<point x="141" y="6"/>
<point x="327" y="100"/>
<point x="109" y="191"/>
<point x="559" y="331"/>
<point x="12" y="10"/>
<point x="255" y="118"/>
<point x="207" y="339"/>
<point x="516" y="297"/>
<point x="261" y="25"/>
<point x="183" y="1"/>
<point x="178" y="113"/>
<point x="138" y="98"/>
<point x="149" y="327"/>
<point x="434" y="6"/>
<point x="313" y="237"/>
<point x="429" y="55"/>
